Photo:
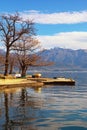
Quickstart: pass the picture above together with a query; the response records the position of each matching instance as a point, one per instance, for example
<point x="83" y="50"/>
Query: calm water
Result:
<point x="47" y="108"/>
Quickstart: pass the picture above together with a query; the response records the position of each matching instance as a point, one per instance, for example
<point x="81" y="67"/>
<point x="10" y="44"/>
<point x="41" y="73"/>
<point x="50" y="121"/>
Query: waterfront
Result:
<point x="46" y="108"/>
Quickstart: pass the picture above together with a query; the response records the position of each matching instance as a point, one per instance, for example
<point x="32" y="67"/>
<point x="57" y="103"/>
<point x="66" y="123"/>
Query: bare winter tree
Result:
<point x="25" y="51"/>
<point x="12" y="28"/>
<point x="27" y="54"/>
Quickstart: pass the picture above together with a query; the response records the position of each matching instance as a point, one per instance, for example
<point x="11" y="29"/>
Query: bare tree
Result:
<point x="25" y="51"/>
<point x="12" y="27"/>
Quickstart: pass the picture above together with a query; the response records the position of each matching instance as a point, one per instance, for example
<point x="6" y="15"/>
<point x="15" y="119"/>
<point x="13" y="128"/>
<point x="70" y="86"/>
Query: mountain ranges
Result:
<point x="66" y="58"/>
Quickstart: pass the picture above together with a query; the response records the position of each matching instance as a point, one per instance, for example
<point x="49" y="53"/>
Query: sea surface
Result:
<point x="47" y="108"/>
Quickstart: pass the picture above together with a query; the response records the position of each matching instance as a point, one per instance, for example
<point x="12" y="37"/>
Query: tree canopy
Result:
<point x="12" y="28"/>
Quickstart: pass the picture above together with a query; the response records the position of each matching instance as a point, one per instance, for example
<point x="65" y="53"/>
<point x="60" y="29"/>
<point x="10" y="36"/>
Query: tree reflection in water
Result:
<point x="20" y="113"/>
<point x="6" y="111"/>
<point x="54" y="108"/>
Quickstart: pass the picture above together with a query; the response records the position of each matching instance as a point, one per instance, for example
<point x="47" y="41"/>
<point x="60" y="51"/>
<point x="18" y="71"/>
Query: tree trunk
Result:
<point x="6" y="62"/>
<point x="11" y="69"/>
<point x="23" y="71"/>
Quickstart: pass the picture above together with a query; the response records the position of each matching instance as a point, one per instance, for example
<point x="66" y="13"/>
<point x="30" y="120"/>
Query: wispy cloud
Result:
<point x="72" y="40"/>
<point x="56" y="18"/>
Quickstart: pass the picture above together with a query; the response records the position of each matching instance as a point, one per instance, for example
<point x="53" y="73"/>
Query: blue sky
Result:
<point x="60" y="23"/>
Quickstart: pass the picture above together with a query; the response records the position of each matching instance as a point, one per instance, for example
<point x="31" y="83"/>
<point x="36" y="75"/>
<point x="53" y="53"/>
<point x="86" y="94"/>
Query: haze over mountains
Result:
<point x="66" y="58"/>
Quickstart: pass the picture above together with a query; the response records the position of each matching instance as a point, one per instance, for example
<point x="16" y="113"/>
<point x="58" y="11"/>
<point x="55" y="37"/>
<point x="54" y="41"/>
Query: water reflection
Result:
<point x="49" y="108"/>
<point x="38" y="89"/>
<point x="20" y="110"/>
<point x="6" y="110"/>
